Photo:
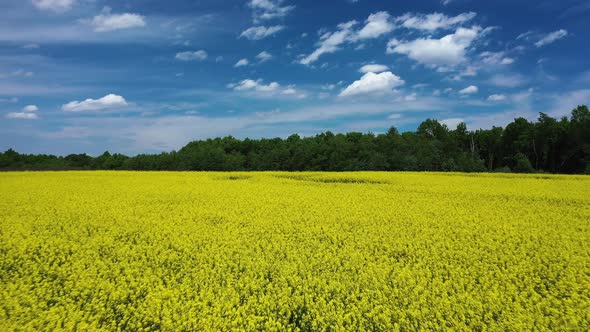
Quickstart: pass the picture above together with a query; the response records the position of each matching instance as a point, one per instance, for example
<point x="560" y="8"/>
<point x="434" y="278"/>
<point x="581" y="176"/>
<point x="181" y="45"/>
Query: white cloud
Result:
<point x="373" y="68"/>
<point x="110" y="22"/>
<point x="330" y="42"/>
<point x="30" y="108"/>
<point x="496" y="58"/>
<point x="149" y="134"/>
<point x="469" y="90"/>
<point x="469" y="71"/>
<point x="51" y="30"/>
<point x="525" y="35"/>
<point x="27" y="113"/>
<point x="521" y="105"/>
<point x="22" y="115"/>
<point x="449" y="50"/>
<point x="507" y="61"/>
<point x="57" y="6"/>
<point x="264" y="56"/>
<point x="395" y="116"/>
<point x="452" y="123"/>
<point x="411" y="97"/>
<point x="433" y="22"/>
<point x="110" y="101"/>
<point x="497" y="98"/>
<point x="261" y="32"/>
<point x="376" y="25"/>
<point x="508" y="80"/>
<point x="372" y="83"/>
<point x="273" y="86"/>
<point x="552" y="37"/>
<point x="563" y="103"/>
<point x="290" y="91"/>
<point x="255" y="85"/>
<point x="488" y="120"/>
<point x="446" y="2"/>
<point x="269" y="9"/>
<point x="265" y="90"/>
<point x="192" y="56"/>
<point x="522" y="96"/>
<point x="241" y="63"/>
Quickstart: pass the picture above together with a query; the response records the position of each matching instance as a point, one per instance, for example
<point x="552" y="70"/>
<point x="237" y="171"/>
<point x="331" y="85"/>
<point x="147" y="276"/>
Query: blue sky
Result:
<point x="136" y="76"/>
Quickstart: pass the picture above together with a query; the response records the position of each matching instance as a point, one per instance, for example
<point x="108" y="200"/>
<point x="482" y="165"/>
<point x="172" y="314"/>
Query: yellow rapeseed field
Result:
<point x="294" y="251"/>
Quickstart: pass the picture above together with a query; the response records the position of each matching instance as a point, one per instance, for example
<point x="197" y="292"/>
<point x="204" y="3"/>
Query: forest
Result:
<point x="545" y="145"/>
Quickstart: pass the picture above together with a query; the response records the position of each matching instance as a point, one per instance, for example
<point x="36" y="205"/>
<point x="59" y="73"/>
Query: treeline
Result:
<point x="547" y="145"/>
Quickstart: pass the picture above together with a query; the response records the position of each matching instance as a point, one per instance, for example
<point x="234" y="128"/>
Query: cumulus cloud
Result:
<point x="241" y="63"/>
<point x="449" y="50"/>
<point x="264" y="56"/>
<point x="261" y="32"/>
<point x="551" y="38"/>
<point x="377" y="24"/>
<point x="497" y="97"/>
<point x="373" y="68"/>
<point x="469" y="90"/>
<point x="372" y="83"/>
<point x="265" y="90"/>
<point x="330" y="42"/>
<point x="255" y="85"/>
<point x="290" y="90"/>
<point x="110" y="22"/>
<point x="192" y="56"/>
<point x="107" y="102"/>
<point x="434" y="21"/>
<point x="452" y="122"/>
<point x="269" y="9"/>
<point x="27" y="113"/>
<point x="30" y="108"/>
<point x="57" y="6"/>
